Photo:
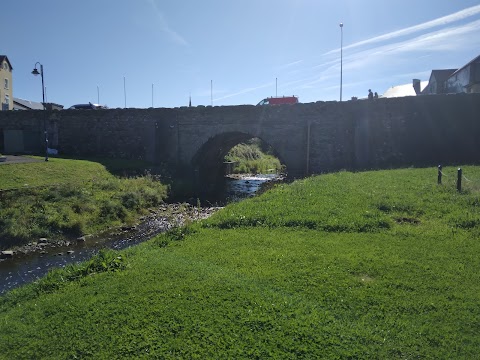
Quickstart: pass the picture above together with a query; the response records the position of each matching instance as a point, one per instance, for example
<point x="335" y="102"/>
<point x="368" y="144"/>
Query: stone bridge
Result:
<point x="308" y="138"/>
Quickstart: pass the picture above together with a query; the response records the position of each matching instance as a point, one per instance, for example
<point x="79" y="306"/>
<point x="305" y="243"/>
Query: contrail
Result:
<point x="460" y="15"/>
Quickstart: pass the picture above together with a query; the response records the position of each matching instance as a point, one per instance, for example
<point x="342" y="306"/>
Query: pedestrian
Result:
<point x="375" y="96"/>
<point x="370" y="94"/>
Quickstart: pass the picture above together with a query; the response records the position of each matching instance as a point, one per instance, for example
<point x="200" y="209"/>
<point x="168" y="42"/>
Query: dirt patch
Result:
<point x="16" y="159"/>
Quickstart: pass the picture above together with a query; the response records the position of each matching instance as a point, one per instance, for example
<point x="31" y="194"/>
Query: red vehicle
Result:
<point x="279" y="100"/>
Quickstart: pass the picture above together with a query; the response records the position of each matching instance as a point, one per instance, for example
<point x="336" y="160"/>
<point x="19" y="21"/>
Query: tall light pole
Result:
<point x="125" y="92"/>
<point x="341" y="59"/>
<point x="35" y="72"/>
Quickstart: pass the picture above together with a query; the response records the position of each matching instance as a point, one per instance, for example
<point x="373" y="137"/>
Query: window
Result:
<point x="6" y="83"/>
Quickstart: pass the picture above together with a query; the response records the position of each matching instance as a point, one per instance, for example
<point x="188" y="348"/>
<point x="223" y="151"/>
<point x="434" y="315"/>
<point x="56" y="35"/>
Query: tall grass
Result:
<point x="374" y="265"/>
<point x="251" y="158"/>
<point x="91" y="201"/>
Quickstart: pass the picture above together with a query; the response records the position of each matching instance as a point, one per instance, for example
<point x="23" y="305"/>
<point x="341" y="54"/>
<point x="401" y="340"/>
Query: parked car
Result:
<point x="279" y="100"/>
<point x="88" y="106"/>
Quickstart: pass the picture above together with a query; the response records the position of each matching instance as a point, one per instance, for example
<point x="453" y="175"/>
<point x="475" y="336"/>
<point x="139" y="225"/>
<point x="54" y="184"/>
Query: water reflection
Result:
<point x="244" y="186"/>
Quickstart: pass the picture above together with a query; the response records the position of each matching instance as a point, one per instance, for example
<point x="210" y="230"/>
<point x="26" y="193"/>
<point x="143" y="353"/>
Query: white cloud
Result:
<point x="442" y="21"/>
<point x="389" y="52"/>
<point x="285" y="66"/>
<point x="444" y="40"/>
<point x="244" y="91"/>
<point x="164" y="27"/>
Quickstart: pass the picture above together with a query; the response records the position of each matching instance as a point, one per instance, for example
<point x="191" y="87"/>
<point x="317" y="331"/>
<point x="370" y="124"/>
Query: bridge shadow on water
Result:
<point x="233" y="188"/>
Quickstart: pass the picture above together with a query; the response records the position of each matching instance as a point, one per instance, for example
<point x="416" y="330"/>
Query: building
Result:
<point x="466" y="79"/>
<point x="436" y="83"/>
<point x="6" y="86"/>
<point x="22" y="104"/>
<point x="405" y="90"/>
<point x="455" y="81"/>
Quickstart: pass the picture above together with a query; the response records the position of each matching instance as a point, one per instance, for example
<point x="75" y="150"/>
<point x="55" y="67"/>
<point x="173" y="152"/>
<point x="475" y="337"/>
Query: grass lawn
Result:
<point x="61" y="171"/>
<point x="373" y="265"/>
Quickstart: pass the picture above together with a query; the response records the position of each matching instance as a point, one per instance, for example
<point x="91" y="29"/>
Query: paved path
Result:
<point x="14" y="159"/>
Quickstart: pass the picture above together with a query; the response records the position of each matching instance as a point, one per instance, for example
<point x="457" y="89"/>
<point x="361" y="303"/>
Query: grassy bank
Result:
<point x="374" y="265"/>
<point x="251" y="158"/>
<point x="67" y="198"/>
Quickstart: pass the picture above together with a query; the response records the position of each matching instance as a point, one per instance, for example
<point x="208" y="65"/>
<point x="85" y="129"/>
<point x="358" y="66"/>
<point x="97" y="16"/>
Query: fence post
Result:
<point x="459" y="179"/>
<point x="439" y="174"/>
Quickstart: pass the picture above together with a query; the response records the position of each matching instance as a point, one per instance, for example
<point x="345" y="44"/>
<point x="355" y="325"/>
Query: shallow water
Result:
<point x="236" y="189"/>
<point x="25" y="268"/>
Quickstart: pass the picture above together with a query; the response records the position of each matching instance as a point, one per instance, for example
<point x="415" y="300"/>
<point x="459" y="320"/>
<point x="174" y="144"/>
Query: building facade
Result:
<point x="465" y="79"/>
<point x="455" y="81"/>
<point x="436" y="83"/>
<point x="6" y="86"/>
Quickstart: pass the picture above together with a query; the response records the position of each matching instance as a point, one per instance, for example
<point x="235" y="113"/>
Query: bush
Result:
<point x="251" y="158"/>
<point x="70" y="210"/>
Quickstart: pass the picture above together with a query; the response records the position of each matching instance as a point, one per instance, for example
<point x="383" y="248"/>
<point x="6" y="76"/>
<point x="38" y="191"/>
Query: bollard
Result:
<point x="459" y="179"/>
<point x="439" y="174"/>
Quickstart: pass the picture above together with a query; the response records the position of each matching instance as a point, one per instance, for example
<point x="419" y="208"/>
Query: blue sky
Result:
<point x="231" y="51"/>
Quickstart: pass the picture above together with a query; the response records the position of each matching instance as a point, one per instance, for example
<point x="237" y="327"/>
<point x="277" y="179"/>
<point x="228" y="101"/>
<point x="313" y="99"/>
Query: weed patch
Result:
<point x="87" y="205"/>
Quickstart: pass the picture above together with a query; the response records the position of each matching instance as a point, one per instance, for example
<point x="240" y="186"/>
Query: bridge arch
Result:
<point x="208" y="160"/>
<point x="311" y="138"/>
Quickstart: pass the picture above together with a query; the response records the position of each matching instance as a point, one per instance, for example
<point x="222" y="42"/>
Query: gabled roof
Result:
<point x="442" y="75"/>
<point x="32" y="105"/>
<point x="403" y="90"/>
<point x="477" y="59"/>
<point x="4" y="57"/>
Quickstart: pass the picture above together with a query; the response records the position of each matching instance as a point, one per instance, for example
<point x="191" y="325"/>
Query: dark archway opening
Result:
<point x="214" y="163"/>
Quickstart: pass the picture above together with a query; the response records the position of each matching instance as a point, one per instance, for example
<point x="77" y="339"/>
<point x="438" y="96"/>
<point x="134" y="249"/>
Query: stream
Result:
<point x="29" y="266"/>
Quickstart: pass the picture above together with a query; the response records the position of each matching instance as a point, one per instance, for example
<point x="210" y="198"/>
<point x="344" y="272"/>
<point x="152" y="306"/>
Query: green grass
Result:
<point x="66" y="198"/>
<point x="250" y="158"/>
<point x="63" y="170"/>
<point x="374" y="265"/>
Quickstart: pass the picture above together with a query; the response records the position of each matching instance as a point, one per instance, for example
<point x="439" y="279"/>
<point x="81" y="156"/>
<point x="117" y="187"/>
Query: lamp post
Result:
<point x="35" y="72"/>
<point x="125" y="92"/>
<point x="341" y="59"/>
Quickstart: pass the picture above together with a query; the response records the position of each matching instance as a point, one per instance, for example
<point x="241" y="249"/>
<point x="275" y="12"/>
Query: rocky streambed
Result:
<point x="27" y="263"/>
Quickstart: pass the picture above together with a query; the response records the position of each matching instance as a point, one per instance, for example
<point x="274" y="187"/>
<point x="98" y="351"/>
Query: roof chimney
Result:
<point x="416" y="86"/>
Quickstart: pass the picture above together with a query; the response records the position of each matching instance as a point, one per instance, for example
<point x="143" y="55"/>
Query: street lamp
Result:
<point x="35" y="72"/>
<point x="341" y="59"/>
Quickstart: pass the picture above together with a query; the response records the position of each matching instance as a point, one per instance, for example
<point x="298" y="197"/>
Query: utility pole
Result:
<point x="341" y="59"/>
<point x="125" y="92"/>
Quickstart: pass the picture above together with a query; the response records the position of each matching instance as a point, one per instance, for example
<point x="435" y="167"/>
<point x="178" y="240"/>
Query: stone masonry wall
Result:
<point x="309" y="138"/>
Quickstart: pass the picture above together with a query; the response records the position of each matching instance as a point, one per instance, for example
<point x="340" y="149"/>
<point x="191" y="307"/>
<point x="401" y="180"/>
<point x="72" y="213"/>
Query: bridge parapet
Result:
<point x="308" y="138"/>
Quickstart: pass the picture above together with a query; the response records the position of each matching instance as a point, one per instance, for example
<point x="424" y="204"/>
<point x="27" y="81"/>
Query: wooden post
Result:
<point x="459" y="179"/>
<point x="439" y="174"/>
